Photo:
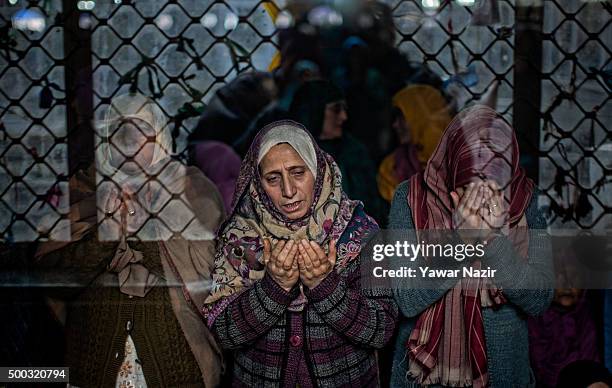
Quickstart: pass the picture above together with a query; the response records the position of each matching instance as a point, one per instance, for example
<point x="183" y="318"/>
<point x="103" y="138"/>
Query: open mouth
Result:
<point x="292" y="207"/>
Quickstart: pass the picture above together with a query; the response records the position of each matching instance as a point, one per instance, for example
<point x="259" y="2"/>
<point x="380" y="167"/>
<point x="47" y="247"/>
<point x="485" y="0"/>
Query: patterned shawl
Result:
<point x="447" y="345"/>
<point x="239" y="255"/>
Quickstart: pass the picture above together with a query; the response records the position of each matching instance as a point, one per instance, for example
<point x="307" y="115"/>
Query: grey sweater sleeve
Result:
<point x="412" y="300"/>
<point x="500" y="252"/>
<point x="529" y="285"/>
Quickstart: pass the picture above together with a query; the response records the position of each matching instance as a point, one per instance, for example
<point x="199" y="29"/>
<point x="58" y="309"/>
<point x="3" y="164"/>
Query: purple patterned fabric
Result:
<point x="559" y="337"/>
<point x="221" y="164"/>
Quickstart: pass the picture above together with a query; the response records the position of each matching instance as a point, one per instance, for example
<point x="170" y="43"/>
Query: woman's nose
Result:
<point x="288" y="188"/>
<point x="343" y="115"/>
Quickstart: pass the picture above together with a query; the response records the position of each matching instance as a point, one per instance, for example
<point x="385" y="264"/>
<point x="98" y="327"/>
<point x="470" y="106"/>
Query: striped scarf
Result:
<point x="447" y="345"/>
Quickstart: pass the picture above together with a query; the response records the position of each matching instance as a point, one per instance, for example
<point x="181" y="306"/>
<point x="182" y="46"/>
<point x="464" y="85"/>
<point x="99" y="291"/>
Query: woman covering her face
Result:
<point x="286" y="281"/>
<point x="473" y="332"/>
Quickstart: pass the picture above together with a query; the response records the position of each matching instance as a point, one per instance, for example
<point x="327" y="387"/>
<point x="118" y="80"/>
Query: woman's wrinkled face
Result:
<point x="287" y="181"/>
<point x="133" y="144"/>
<point x="335" y="116"/>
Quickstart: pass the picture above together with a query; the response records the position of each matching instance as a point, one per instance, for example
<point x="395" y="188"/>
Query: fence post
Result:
<point x="527" y="83"/>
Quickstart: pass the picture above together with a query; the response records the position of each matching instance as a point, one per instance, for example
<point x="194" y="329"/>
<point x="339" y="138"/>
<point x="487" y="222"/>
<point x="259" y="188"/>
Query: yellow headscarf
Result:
<point x="427" y="114"/>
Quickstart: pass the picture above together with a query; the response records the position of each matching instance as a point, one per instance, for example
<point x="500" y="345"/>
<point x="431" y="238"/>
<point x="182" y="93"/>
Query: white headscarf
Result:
<point x="132" y="106"/>
<point x="299" y="140"/>
<point x="113" y="182"/>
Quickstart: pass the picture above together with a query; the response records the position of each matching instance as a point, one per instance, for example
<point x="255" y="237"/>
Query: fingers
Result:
<point x="331" y="257"/>
<point x="306" y="262"/>
<point x="493" y="185"/>
<point x="294" y="265"/>
<point x="266" y="251"/>
<point x="292" y="256"/>
<point x="309" y="251"/>
<point x="455" y="199"/>
<point x="474" y="200"/>
<point x="278" y="248"/>
<point x="494" y="197"/>
<point x="285" y="258"/>
<point x="320" y="254"/>
<point x="466" y="195"/>
<point x="302" y="258"/>
<point x="313" y="255"/>
<point x="500" y="201"/>
<point x="313" y="263"/>
<point x="494" y="212"/>
<point x="307" y="271"/>
<point x="487" y="210"/>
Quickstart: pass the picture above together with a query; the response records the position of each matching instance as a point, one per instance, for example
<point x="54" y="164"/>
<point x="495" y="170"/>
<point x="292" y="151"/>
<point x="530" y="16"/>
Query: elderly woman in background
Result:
<point x="473" y="332"/>
<point x="287" y="297"/>
<point x="139" y="260"/>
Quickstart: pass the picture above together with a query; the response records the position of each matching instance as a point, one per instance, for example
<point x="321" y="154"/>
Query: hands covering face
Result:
<point x="305" y="260"/>
<point x="480" y="207"/>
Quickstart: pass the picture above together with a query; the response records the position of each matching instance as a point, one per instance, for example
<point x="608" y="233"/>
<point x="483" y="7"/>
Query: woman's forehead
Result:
<point x="134" y="124"/>
<point x="281" y="154"/>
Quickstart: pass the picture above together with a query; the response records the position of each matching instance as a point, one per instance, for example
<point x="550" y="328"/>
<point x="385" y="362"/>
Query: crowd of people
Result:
<point x="253" y="278"/>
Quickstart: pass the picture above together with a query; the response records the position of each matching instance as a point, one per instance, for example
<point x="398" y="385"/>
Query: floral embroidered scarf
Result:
<point x="239" y="255"/>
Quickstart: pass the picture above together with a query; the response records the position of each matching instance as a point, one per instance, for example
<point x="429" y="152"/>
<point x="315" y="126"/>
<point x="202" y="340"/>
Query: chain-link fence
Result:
<point x="62" y="63"/>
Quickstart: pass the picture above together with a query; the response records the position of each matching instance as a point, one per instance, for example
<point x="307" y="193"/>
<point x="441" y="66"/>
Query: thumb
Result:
<point x="331" y="256"/>
<point x="266" y="252"/>
<point x="455" y="198"/>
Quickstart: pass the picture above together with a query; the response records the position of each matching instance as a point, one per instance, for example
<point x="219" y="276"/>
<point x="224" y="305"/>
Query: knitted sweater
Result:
<point x="505" y="327"/>
<point x="331" y="343"/>
<point x="100" y="318"/>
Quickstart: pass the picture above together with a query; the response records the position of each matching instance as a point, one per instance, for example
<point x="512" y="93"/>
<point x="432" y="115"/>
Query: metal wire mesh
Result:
<point x="33" y="152"/>
<point x="181" y="52"/>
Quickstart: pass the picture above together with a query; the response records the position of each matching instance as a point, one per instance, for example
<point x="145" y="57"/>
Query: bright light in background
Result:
<point x="85" y="21"/>
<point x="466" y="3"/>
<point x="365" y="20"/>
<point x="209" y="20"/>
<point x="284" y="20"/>
<point x="231" y="21"/>
<point x="86" y="5"/>
<point x="164" y="21"/>
<point x="117" y="1"/>
<point x="13" y="2"/>
<point x="431" y="4"/>
<point x="29" y="20"/>
<point x="324" y="16"/>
